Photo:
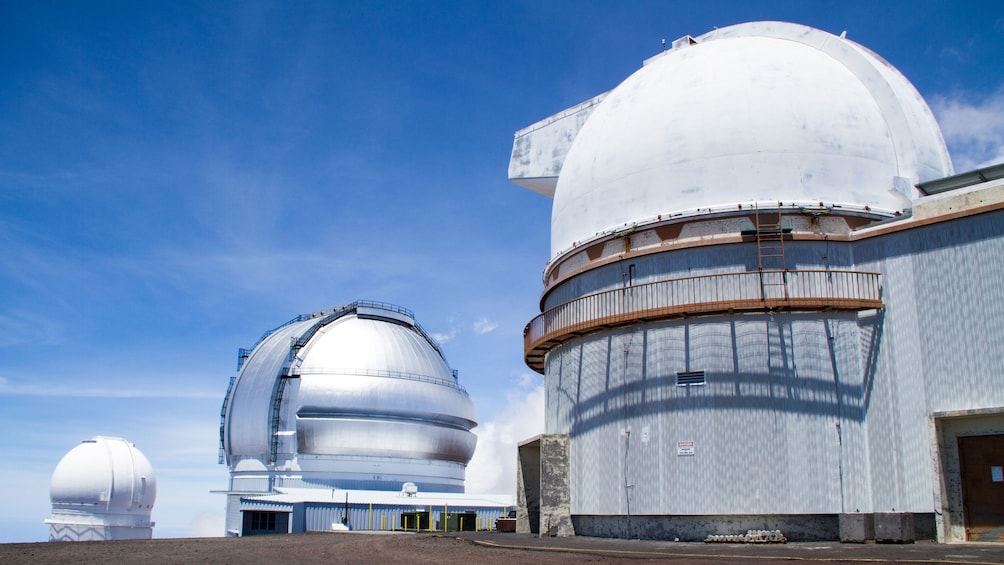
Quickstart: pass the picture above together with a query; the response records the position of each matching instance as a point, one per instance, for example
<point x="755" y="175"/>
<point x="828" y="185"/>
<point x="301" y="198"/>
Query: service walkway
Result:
<point x="598" y="549"/>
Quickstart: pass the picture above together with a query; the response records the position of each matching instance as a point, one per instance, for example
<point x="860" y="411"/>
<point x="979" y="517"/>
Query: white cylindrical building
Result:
<point x="103" y="489"/>
<point x="355" y="397"/>
<point x="747" y="287"/>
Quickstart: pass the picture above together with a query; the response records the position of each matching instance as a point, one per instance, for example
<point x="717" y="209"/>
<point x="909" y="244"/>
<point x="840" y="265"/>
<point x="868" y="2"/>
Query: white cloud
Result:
<point x="953" y="53"/>
<point x="23" y="327"/>
<point x="9" y="389"/>
<point x="973" y="126"/>
<point x="26" y="501"/>
<point x="443" y="337"/>
<point x="208" y="524"/>
<point x="484" y="325"/>
<point x="493" y="468"/>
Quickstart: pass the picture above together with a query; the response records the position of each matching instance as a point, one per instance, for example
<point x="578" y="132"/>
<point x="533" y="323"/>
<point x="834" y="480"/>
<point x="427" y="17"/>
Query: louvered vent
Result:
<point x="688" y="378"/>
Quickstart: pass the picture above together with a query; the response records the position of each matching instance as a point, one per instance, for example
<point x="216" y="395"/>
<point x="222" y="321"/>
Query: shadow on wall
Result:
<point x="779" y="388"/>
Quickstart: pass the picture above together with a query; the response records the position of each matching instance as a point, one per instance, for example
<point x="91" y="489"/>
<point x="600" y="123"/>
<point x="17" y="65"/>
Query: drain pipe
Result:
<point x="627" y="485"/>
<point x="627" y="446"/>
<point x="840" y="463"/>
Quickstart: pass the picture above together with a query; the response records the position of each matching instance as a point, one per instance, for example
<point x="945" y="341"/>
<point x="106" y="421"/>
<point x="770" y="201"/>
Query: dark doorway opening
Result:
<point x="420" y="520"/>
<point x="981" y="461"/>
<point x="257" y="523"/>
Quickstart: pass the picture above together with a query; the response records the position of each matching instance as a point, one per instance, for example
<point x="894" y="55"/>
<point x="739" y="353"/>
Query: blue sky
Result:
<point x="176" y="178"/>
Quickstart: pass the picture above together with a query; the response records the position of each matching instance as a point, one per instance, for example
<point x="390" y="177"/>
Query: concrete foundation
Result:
<point x="802" y="527"/>
<point x="555" y="495"/>
<point x="857" y="527"/>
<point x="795" y="527"/>
<point x="543" y="495"/>
<point x="894" y="527"/>
<point x="528" y="487"/>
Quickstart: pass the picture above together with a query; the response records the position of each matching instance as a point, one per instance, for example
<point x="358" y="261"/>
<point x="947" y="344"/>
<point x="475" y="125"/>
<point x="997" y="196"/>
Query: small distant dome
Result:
<point x="103" y="488"/>
<point x="766" y="111"/>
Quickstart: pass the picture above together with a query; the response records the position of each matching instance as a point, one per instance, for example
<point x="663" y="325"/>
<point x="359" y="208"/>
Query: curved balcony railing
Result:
<point x="707" y="294"/>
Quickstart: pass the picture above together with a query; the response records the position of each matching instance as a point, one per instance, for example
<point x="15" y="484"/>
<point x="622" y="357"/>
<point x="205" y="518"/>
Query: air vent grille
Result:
<point x="689" y="378"/>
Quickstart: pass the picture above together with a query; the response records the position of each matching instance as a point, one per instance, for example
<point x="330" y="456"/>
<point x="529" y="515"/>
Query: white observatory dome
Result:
<point x="357" y="397"/>
<point x="759" y="111"/>
<point x="103" y="488"/>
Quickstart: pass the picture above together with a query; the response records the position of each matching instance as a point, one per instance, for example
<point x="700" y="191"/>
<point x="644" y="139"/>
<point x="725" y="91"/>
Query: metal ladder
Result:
<point x="770" y="252"/>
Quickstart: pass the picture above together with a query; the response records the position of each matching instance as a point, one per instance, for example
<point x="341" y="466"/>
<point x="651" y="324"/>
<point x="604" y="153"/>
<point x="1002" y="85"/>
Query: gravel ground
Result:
<point x="480" y="548"/>
<point x="306" y="548"/>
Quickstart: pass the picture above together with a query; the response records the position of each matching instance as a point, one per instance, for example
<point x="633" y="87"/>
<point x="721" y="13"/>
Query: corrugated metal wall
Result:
<point x="764" y="426"/>
<point x="320" y="516"/>
<point x="941" y="348"/>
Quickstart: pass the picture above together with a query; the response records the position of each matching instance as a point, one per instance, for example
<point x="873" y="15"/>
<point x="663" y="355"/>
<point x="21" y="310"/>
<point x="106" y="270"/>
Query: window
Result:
<point x="263" y="521"/>
<point x="259" y="522"/>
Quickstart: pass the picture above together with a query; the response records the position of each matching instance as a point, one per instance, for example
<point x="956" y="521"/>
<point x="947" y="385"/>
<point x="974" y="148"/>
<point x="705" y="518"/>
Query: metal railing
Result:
<point x="387" y="374"/>
<point x="706" y="294"/>
<point x="223" y="422"/>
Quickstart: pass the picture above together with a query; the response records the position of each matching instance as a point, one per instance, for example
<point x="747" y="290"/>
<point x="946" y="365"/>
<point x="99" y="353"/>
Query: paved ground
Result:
<point x="481" y="548"/>
<point x="829" y="552"/>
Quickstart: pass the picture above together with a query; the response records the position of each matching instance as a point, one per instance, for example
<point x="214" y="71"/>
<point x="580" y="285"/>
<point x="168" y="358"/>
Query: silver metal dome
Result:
<point x="358" y="396"/>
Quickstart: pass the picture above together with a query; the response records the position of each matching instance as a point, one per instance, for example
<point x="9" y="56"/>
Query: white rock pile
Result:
<point x="751" y="536"/>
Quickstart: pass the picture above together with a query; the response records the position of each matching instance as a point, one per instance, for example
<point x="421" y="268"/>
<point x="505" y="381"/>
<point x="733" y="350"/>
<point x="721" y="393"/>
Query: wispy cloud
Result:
<point x="22" y="327"/>
<point x="529" y="382"/>
<point x="973" y="126"/>
<point x="443" y="337"/>
<point x="481" y="326"/>
<point x="8" y="388"/>
<point x="484" y="325"/>
<point x="448" y="335"/>
<point x="493" y="468"/>
<point x="953" y="53"/>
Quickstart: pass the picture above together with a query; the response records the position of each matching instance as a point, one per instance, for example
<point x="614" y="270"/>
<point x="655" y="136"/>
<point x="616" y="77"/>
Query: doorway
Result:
<point x="981" y="462"/>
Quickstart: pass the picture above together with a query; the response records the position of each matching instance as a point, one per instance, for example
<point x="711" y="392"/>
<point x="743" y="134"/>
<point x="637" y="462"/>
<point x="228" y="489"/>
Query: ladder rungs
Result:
<point x="769" y="231"/>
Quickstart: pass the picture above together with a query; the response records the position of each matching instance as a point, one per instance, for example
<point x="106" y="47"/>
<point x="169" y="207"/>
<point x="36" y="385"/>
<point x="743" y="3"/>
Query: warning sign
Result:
<point x="684" y="448"/>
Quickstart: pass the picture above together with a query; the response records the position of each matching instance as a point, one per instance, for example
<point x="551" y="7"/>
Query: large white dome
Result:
<point x="759" y="111"/>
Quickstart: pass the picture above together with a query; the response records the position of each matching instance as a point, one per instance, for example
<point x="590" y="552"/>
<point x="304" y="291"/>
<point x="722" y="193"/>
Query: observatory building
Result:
<point x="331" y="411"/>
<point x="103" y="489"/>
<point x="769" y="303"/>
